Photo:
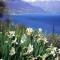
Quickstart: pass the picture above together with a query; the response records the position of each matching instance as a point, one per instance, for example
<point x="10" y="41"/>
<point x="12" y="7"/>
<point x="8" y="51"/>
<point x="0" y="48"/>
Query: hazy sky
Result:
<point x="49" y="6"/>
<point x="32" y="1"/>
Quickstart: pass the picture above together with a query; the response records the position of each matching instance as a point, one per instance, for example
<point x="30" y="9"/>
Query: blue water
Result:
<point x="45" y="22"/>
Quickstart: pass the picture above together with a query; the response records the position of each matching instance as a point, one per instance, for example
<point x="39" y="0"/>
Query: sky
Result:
<point x="32" y="1"/>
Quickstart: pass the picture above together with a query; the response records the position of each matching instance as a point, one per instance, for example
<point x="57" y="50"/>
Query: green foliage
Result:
<point x="26" y="44"/>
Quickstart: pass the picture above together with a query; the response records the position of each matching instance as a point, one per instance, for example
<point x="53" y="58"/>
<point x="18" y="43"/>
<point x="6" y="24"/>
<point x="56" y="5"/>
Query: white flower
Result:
<point x="30" y="48"/>
<point x="11" y="33"/>
<point x="53" y="52"/>
<point x="23" y="39"/>
<point x="1" y="59"/>
<point x="0" y="32"/>
<point x="59" y="51"/>
<point x="55" y="49"/>
<point x="44" y="56"/>
<point x="14" y="41"/>
<point x="40" y="29"/>
<point x="51" y="45"/>
<point x="17" y="43"/>
<point x="57" y="58"/>
<point x="45" y="40"/>
<point x="12" y="51"/>
<point x="29" y="31"/>
<point x="39" y="39"/>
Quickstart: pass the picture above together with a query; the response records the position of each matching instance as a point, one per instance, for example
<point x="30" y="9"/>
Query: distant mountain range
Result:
<point x="22" y="7"/>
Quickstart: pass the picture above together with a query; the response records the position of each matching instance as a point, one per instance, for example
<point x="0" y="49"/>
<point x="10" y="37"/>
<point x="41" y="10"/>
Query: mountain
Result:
<point x="51" y="7"/>
<point x="22" y="7"/>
